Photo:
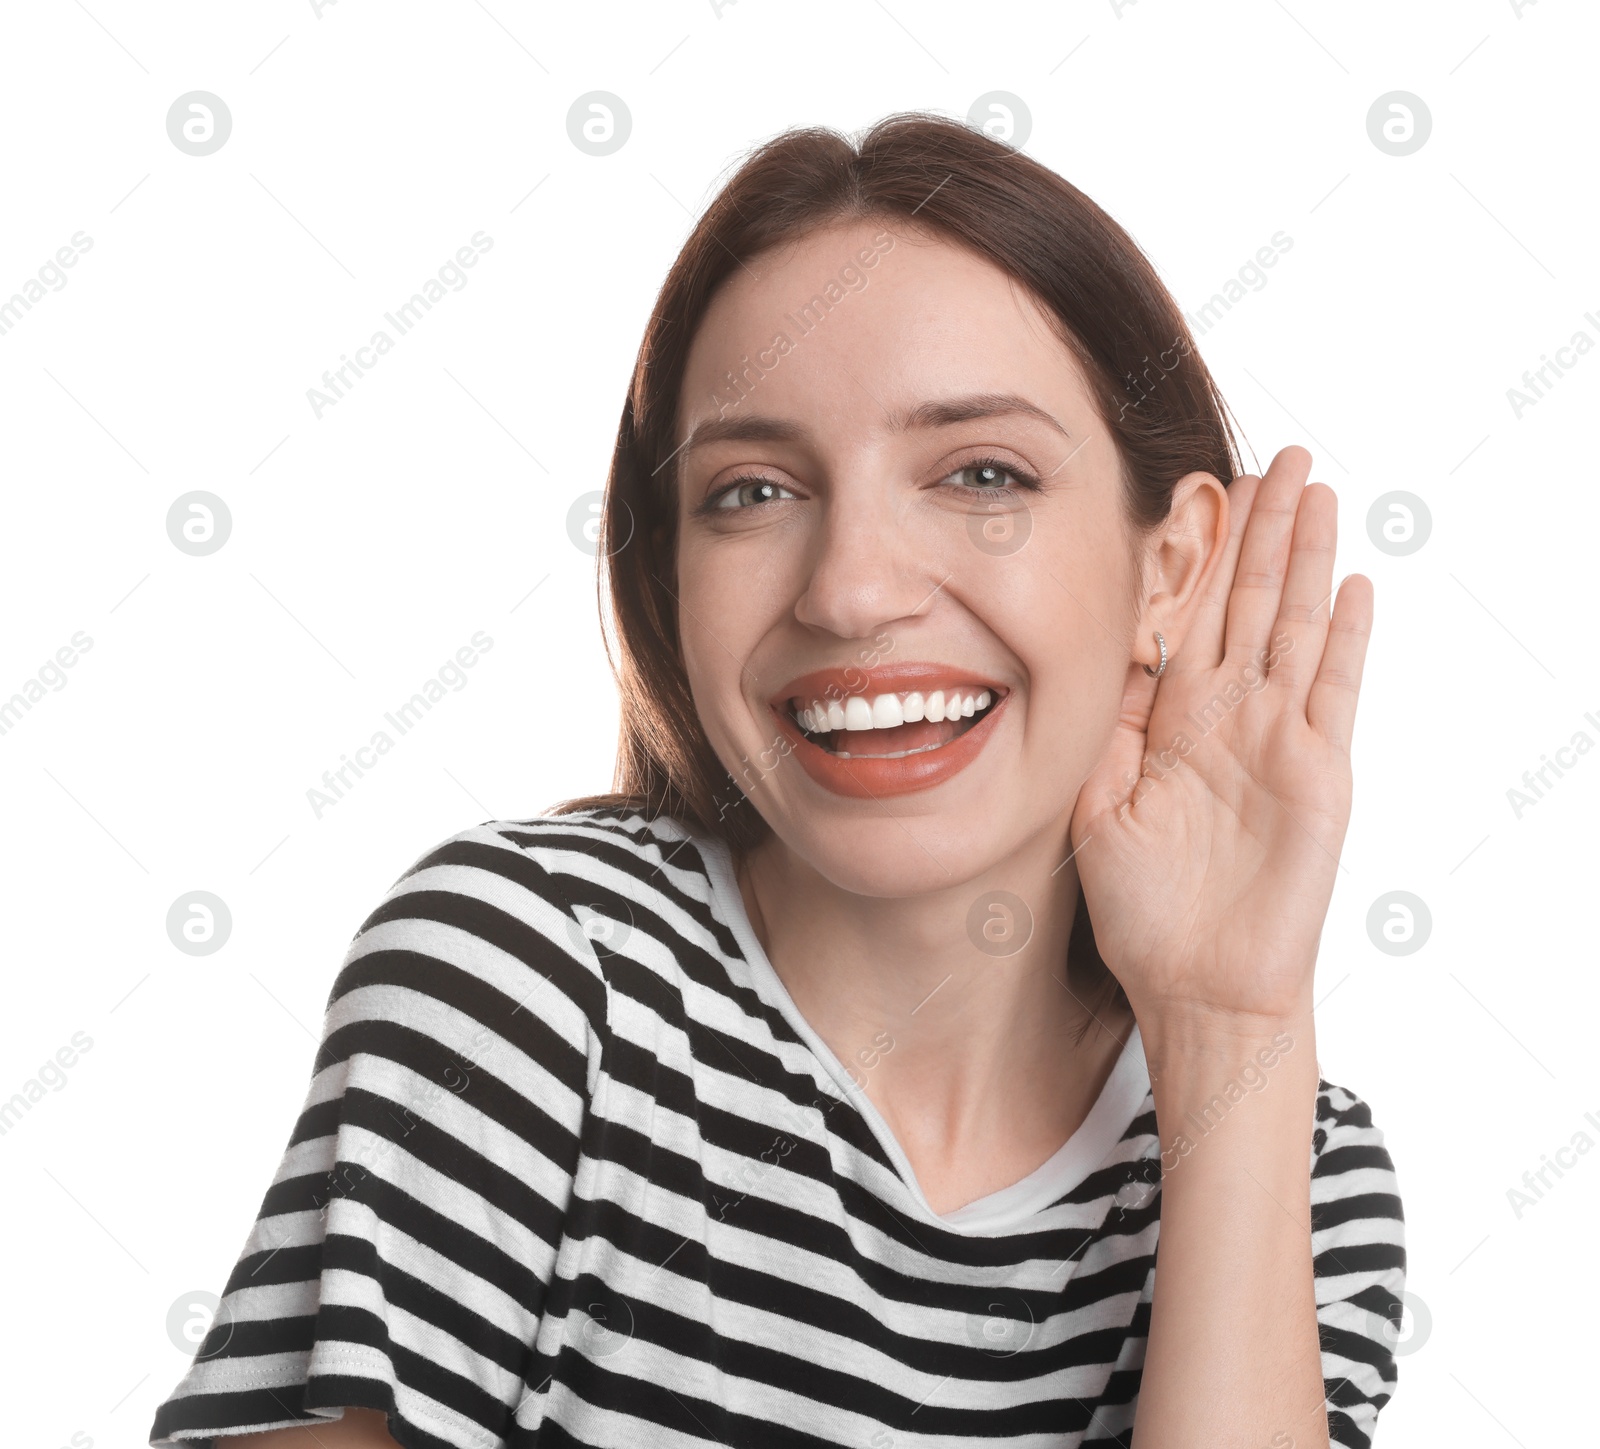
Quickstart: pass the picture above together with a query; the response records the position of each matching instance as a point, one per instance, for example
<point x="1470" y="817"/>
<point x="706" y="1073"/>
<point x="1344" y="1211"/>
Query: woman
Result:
<point x="788" y="1096"/>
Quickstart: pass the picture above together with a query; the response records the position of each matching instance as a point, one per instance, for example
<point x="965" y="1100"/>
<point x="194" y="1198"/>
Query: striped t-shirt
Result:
<point x="574" y="1170"/>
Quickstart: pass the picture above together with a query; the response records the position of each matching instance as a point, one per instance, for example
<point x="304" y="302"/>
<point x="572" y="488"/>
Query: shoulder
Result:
<point x="505" y="907"/>
<point x="577" y="844"/>
<point x="484" y="924"/>
<point x="548" y="861"/>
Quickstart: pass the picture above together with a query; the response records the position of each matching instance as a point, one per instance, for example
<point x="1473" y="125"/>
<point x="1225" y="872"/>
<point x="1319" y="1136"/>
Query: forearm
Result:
<point x="1233" y="1359"/>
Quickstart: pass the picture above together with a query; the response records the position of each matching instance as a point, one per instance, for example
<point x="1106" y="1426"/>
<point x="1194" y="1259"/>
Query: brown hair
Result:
<point x="958" y="184"/>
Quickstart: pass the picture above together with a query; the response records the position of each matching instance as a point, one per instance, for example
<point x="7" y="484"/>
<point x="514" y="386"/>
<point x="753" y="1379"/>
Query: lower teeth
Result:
<point x="897" y="755"/>
<point x="967" y="724"/>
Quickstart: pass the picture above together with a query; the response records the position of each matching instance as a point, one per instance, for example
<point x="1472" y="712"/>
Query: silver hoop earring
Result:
<point x="1162" y="669"/>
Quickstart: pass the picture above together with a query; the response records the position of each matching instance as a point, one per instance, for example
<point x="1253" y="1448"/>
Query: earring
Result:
<point x="1162" y="669"/>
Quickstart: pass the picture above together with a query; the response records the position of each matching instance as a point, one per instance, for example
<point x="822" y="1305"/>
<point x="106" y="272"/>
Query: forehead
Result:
<point x="814" y="332"/>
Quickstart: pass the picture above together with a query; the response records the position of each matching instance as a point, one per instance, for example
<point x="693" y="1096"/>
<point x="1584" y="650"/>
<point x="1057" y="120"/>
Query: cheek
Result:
<point x="1071" y="644"/>
<point x="1064" y="598"/>
<point x="1063" y="607"/>
<point x="723" y="609"/>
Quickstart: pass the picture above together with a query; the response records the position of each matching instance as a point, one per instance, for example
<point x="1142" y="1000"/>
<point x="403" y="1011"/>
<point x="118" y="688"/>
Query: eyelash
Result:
<point x="1026" y="483"/>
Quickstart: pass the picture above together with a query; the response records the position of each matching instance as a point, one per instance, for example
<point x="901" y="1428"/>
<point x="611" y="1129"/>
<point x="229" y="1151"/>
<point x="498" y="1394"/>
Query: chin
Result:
<point x="901" y="849"/>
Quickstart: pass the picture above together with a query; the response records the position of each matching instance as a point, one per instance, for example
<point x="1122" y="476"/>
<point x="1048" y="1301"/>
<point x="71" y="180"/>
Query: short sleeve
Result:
<point x="1359" y="1259"/>
<point x="402" y="1253"/>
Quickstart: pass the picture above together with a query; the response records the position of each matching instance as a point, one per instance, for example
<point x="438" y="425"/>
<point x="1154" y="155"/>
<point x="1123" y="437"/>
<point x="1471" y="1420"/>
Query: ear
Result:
<point x="1182" y="556"/>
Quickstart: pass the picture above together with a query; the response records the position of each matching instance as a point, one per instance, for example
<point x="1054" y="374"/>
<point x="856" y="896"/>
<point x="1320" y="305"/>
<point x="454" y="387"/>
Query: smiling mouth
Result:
<point x="892" y="726"/>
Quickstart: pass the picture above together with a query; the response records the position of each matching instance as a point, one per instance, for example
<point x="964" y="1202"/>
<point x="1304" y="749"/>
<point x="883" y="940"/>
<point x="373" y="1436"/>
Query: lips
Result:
<point x="930" y="753"/>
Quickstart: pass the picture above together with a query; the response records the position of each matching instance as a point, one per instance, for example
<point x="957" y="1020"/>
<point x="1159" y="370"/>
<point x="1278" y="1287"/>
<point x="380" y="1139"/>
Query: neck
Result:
<point x="975" y="1006"/>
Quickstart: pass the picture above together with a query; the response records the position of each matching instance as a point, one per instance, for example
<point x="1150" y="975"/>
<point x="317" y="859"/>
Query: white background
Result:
<point x="368" y="545"/>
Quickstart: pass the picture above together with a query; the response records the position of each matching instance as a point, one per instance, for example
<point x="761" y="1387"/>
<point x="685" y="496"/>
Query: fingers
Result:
<point x="1120" y="765"/>
<point x="1138" y="699"/>
<point x="1264" y="558"/>
<point x="1299" y="631"/>
<point x="1202" y="646"/>
<point x="1331" y="706"/>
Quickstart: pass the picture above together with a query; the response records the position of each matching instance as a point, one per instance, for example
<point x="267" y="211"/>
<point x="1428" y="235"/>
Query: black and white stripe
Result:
<point x="573" y="1171"/>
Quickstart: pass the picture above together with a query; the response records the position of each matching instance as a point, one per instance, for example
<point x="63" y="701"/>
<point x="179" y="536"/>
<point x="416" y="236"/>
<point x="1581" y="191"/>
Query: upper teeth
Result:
<point x="885" y="711"/>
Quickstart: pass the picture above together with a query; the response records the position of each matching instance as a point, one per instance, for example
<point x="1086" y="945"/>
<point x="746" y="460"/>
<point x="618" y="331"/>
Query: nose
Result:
<point x="868" y="571"/>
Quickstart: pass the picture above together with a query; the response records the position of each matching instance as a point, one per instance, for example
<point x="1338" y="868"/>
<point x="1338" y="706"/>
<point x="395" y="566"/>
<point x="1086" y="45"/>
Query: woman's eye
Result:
<point x="747" y="492"/>
<point x="991" y="476"/>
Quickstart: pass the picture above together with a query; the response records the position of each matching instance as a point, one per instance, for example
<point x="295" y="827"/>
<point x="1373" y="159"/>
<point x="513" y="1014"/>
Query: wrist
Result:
<point x="1205" y="1029"/>
<point x="1239" y="1088"/>
<point x="1197" y="1048"/>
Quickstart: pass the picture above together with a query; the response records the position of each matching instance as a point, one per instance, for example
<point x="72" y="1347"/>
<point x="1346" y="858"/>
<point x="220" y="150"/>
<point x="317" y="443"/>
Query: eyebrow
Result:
<point x="943" y="412"/>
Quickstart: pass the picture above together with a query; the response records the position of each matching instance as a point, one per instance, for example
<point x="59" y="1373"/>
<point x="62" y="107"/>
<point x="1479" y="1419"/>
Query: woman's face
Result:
<point x="880" y="525"/>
